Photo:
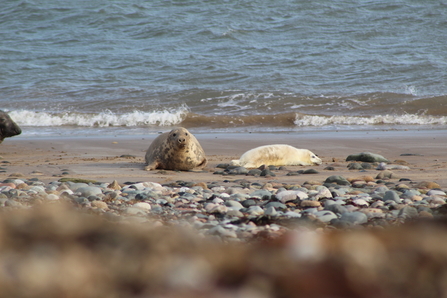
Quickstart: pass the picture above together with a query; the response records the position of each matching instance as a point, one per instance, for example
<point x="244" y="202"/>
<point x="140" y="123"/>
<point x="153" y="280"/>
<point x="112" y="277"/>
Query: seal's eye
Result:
<point x="174" y="135"/>
<point x="186" y="134"/>
<point x="313" y="156"/>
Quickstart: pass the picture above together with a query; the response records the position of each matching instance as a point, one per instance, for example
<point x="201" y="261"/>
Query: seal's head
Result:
<point x="179" y="137"/>
<point x="8" y="128"/>
<point x="314" y="159"/>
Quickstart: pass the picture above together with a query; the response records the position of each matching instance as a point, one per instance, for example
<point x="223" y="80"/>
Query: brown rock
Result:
<point x="425" y="214"/>
<point x="386" y="175"/>
<point x="12" y="185"/>
<point x="309" y="203"/>
<point x="428" y="184"/>
<point x="114" y="185"/>
<point x="401" y="162"/>
<point x="16" y="175"/>
<point x="201" y="184"/>
<point x="22" y="186"/>
<point x="100" y="205"/>
<point x="313" y="182"/>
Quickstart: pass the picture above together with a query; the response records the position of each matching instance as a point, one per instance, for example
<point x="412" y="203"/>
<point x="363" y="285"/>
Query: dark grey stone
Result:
<point x="310" y="171"/>
<point x="408" y="212"/>
<point x="336" y="208"/>
<point x="340" y="180"/>
<point x="267" y="172"/>
<point x="355" y="166"/>
<point x="276" y="205"/>
<point x="249" y="202"/>
<point x="367" y="157"/>
<point x="391" y="195"/>
<point x="356" y="217"/>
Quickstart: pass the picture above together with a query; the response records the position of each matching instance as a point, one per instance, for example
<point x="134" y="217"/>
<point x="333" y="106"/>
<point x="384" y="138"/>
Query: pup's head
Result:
<point x="314" y="159"/>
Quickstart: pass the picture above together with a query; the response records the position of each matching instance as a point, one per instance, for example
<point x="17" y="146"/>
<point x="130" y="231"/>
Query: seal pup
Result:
<point x="277" y="155"/>
<point x="175" y="150"/>
<point x="8" y="128"/>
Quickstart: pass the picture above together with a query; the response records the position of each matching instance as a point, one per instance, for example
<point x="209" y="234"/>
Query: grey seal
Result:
<point x="175" y="150"/>
<point x="8" y="128"/>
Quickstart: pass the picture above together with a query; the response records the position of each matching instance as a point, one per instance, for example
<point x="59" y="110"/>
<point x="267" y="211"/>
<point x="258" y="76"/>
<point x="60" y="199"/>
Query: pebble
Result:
<point x="355" y="217"/>
<point x="391" y="195"/>
<point x="367" y="157"/>
<point x="237" y="208"/>
<point x="310" y="203"/>
<point x="325" y="215"/>
<point x="291" y="195"/>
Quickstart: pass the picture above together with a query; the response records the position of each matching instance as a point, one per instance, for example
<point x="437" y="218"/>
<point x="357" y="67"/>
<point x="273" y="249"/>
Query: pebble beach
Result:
<point x="237" y="207"/>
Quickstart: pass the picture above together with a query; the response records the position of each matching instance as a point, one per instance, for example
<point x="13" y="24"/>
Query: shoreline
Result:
<point x="105" y="158"/>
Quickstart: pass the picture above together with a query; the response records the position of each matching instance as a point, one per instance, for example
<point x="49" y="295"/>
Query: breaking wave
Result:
<point x="103" y="119"/>
<point x="182" y="116"/>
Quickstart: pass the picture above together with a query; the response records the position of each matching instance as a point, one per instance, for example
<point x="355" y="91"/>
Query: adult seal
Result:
<point x="175" y="150"/>
<point x="8" y="128"/>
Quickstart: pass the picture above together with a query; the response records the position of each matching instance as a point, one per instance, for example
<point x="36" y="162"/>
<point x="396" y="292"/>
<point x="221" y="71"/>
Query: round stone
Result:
<point x="87" y="191"/>
<point x="391" y="195"/>
<point x="355" y="217"/>
<point x="325" y="215"/>
<point x="309" y="203"/>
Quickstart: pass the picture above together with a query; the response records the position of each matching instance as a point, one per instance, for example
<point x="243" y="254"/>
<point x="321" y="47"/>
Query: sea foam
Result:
<point x="102" y="119"/>
<point x="406" y="119"/>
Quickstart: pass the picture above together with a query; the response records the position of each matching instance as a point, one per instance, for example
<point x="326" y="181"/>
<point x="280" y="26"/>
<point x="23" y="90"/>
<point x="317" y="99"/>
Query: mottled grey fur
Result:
<point x="175" y="150"/>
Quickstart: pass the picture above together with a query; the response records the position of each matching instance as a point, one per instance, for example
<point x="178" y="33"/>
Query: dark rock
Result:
<point x="223" y="165"/>
<point x="367" y="157"/>
<point x="267" y="172"/>
<point x="238" y="171"/>
<point x="336" y="208"/>
<point x="391" y="195"/>
<point x="340" y="180"/>
<point x="408" y="212"/>
<point x="355" y="166"/>
<point x="250" y="202"/>
<point x="254" y="172"/>
<point x="366" y="166"/>
<point x="356" y="217"/>
<point x="276" y="205"/>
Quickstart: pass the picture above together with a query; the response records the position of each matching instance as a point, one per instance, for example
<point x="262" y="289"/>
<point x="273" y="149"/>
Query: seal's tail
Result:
<point x="235" y="162"/>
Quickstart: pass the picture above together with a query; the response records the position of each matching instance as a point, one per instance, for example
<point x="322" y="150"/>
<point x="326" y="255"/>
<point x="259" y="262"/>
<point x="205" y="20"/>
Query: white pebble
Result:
<point x="52" y="197"/>
<point x="143" y="205"/>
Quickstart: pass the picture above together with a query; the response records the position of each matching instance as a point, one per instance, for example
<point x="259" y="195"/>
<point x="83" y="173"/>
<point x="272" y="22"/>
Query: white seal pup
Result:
<point x="175" y="150"/>
<point x="277" y="155"/>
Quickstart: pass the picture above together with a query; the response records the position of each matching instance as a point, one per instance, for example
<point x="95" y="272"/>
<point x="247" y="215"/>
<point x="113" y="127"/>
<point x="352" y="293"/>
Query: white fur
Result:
<point x="277" y="155"/>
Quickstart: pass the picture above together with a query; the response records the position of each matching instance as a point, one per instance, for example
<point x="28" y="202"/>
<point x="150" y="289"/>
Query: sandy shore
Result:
<point x="121" y="158"/>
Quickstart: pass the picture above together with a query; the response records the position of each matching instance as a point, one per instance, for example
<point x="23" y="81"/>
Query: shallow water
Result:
<point x="95" y="67"/>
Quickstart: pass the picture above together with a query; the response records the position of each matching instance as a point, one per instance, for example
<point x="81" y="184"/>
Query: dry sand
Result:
<point x="121" y="158"/>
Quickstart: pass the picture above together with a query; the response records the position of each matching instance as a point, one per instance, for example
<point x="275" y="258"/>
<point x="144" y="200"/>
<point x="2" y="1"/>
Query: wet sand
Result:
<point x="121" y="158"/>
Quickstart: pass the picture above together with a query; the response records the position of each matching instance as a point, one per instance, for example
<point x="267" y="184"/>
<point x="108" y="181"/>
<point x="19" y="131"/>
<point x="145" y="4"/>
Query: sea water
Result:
<point x="139" y="67"/>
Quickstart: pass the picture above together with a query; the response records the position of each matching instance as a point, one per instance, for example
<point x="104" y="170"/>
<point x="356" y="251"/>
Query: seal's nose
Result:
<point x="181" y="140"/>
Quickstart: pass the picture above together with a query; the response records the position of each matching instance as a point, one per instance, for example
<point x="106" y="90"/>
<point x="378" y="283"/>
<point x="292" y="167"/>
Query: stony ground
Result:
<point x="379" y="231"/>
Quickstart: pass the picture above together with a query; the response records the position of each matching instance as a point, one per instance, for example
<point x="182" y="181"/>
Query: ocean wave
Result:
<point x="103" y="119"/>
<point x="183" y="116"/>
<point x="406" y="119"/>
